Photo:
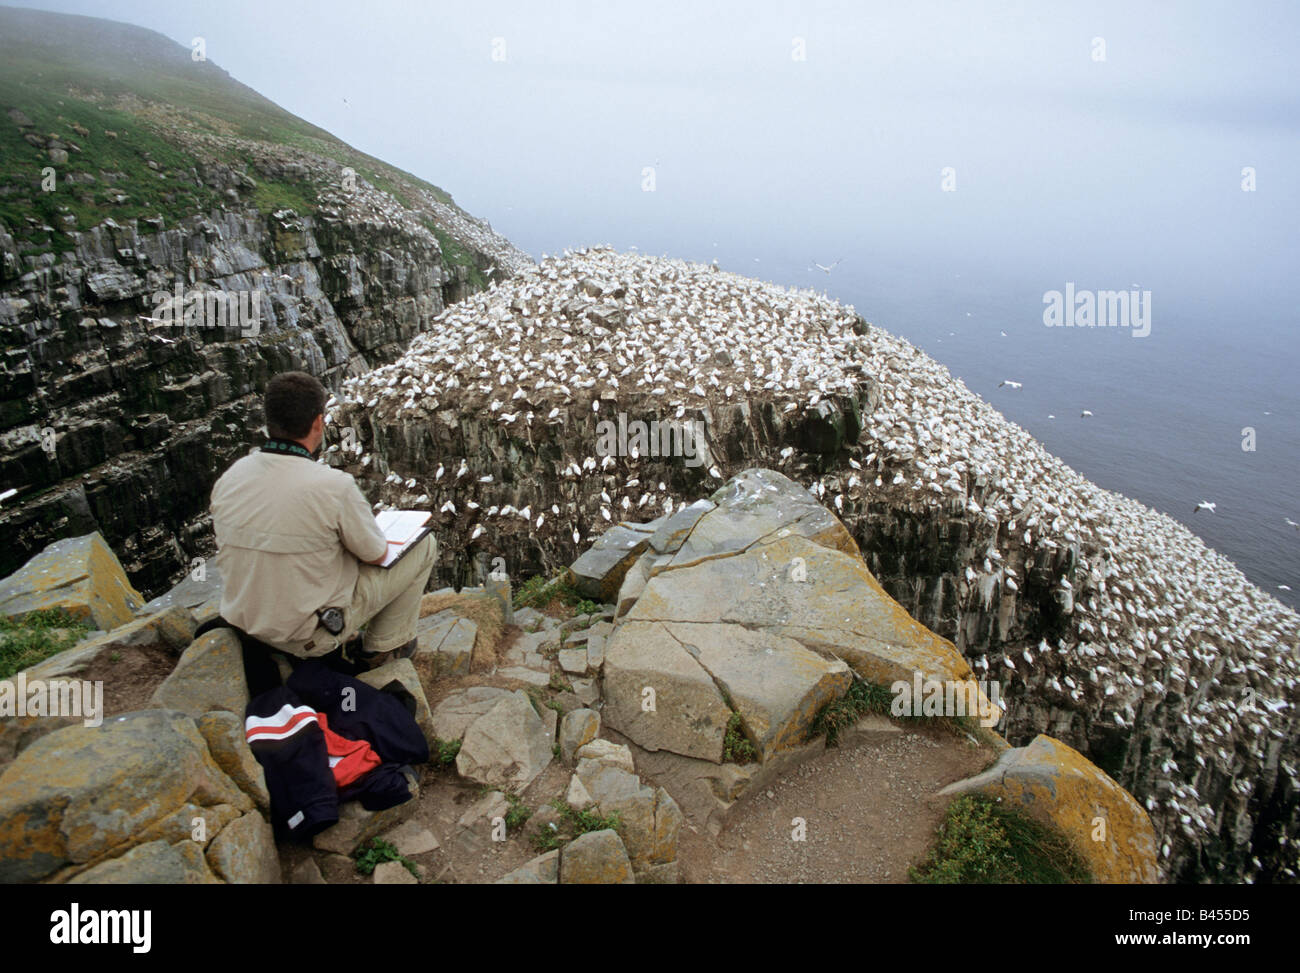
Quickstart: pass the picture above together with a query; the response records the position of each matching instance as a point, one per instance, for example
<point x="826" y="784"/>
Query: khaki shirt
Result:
<point x="290" y="535"/>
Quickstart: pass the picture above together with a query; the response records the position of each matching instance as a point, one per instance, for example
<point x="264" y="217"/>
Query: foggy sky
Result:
<point x="757" y="151"/>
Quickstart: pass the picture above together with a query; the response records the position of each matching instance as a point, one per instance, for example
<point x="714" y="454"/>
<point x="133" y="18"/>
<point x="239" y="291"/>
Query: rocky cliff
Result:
<point x="1109" y="625"/>
<point x="133" y="172"/>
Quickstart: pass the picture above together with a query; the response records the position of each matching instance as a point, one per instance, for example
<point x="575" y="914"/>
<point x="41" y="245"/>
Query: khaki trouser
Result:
<point x="385" y="600"/>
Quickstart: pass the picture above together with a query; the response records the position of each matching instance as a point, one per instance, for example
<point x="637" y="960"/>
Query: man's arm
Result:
<point x="358" y="530"/>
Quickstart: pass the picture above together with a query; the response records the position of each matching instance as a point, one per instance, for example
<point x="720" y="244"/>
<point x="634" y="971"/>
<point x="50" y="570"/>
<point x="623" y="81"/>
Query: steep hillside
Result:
<point x="132" y="172"/>
<point x="1109" y="626"/>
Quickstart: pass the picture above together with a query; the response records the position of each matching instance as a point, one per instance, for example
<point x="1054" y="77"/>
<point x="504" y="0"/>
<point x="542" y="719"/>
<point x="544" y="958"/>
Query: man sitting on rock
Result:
<point x="298" y="546"/>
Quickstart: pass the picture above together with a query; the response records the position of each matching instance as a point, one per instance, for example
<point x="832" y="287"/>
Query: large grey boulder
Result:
<point x="598" y="572"/>
<point x="453" y="716"/>
<point x="445" y="644"/>
<point x="505" y="747"/>
<point x="209" y="675"/>
<point x="658" y="694"/>
<point x="753" y="506"/>
<point x="670" y="536"/>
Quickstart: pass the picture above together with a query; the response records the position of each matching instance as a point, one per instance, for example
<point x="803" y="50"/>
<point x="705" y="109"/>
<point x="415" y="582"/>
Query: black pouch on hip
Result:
<point x="331" y="619"/>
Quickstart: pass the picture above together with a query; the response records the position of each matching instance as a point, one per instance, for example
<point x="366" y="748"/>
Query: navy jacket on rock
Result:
<point x="287" y="740"/>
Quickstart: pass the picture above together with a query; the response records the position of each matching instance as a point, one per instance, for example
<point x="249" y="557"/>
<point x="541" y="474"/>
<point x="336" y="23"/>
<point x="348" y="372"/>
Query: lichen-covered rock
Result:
<point x="81" y="575"/>
<point x="595" y="858"/>
<point x="823" y="598"/>
<point x="228" y="744"/>
<point x="542" y="870"/>
<point x="578" y="728"/>
<point x="83" y="794"/>
<point x="209" y="676"/>
<point x="153" y="863"/>
<point x="1059" y="786"/>
<point x="244" y="852"/>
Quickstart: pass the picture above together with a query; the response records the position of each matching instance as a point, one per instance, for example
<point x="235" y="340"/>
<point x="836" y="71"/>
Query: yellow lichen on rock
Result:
<point x="82" y="576"/>
<point x="1057" y="785"/>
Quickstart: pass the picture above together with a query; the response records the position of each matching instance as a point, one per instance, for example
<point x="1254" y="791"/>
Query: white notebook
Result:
<point x="403" y="528"/>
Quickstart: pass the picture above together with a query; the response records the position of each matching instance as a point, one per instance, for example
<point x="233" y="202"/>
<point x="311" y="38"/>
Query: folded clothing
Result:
<point x="289" y="730"/>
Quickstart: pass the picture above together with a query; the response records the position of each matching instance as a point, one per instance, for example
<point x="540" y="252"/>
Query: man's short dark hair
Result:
<point x="292" y="402"/>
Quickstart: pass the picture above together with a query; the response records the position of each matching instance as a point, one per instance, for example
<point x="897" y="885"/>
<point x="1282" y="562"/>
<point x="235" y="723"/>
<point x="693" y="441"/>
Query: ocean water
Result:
<point x="1169" y="411"/>
<point x="1110" y="188"/>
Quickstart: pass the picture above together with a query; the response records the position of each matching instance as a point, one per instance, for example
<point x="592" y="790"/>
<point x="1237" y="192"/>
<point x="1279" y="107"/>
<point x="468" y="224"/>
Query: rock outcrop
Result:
<point x="1058" y="786"/>
<point x="1109" y="626"/>
<point x="748" y="623"/>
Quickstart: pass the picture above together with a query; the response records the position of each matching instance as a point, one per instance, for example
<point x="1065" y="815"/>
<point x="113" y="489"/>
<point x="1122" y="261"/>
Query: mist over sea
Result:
<point x="1136" y="205"/>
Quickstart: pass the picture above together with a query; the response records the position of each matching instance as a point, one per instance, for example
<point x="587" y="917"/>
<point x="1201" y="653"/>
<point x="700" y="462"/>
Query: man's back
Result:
<point x="290" y="533"/>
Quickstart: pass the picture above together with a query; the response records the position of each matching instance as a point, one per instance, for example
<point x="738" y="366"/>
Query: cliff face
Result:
<point x="131" y="172"/>
<point x="1109" y="626"/>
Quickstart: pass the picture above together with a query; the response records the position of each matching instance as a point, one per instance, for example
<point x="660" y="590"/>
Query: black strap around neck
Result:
<point x="285" y="447"/>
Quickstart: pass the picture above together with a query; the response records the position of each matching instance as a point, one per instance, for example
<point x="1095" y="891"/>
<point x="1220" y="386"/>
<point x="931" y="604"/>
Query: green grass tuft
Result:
<point x="445" y="752"/>
<point x="840" y="714"/>
<point x="981" y="841"/>
<point x="35" y="637"/>
<point x="574" y="823"/>
<point x="736" y="747"/>
<point x="518" y="813"/>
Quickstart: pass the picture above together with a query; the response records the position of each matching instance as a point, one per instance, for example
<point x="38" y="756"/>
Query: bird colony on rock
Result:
<point x="1160" y="636"/>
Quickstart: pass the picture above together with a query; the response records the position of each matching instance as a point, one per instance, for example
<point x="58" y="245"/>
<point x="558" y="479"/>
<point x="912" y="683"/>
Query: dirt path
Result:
<point x="870" y="810"/>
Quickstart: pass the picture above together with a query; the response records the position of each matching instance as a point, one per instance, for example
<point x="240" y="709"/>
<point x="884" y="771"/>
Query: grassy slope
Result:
<point x="61" y="70"/>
